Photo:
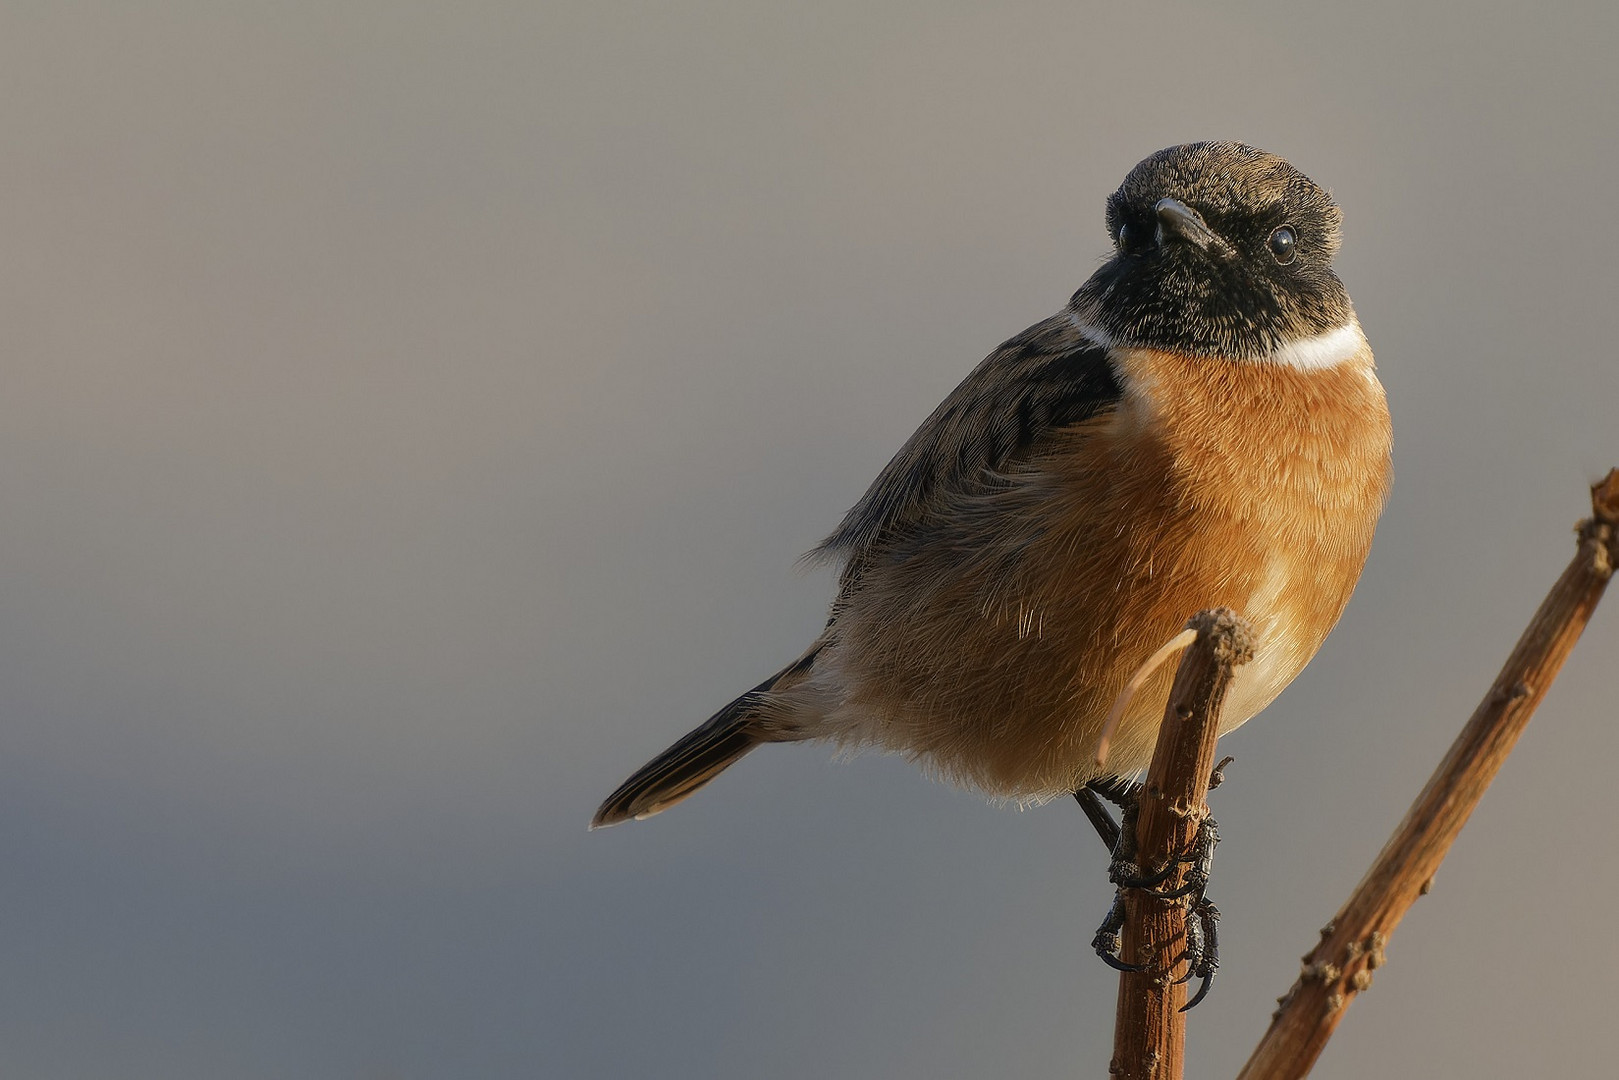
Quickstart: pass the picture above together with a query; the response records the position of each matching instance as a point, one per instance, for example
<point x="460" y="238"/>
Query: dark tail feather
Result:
<point x="698" y="757"/>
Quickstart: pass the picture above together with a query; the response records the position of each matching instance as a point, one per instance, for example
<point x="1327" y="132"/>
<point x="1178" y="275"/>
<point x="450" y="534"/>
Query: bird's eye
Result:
<point x="1284" y="244"/>
<point x="1126" y="236"/>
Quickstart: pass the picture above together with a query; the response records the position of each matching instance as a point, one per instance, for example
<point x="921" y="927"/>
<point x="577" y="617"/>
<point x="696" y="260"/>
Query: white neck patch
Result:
<point x="1321" y="351"/>
<point x="1324" y="350"/>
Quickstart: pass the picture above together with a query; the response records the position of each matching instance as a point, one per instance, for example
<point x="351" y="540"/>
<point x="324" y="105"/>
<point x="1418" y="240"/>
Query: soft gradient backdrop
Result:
<point x="411" y="415"/>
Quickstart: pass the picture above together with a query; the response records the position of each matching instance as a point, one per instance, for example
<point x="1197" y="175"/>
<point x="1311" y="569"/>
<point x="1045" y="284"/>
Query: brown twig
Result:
<point x="1352" y="945"/>
<point x="1149" y="1035"/>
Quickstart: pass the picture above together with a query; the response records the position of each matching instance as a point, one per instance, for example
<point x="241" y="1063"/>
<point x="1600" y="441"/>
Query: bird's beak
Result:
<point x="1178" y="221"/>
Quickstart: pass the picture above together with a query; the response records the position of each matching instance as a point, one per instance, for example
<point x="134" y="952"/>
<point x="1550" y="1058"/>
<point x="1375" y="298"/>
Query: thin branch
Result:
<point x="1149" y="1035"/>
<point x="1352" y="945"/>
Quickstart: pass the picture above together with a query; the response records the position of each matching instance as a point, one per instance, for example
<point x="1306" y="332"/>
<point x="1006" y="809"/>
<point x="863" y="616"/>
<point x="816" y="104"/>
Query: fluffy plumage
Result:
<point x="1200" y="427"/>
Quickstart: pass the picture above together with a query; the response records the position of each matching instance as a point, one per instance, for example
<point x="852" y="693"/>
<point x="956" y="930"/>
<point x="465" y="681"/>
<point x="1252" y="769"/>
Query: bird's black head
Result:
<point x="1222" y="250"/>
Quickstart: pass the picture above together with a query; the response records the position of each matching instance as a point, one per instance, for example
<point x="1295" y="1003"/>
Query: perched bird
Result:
<point x="1201" y="426"/>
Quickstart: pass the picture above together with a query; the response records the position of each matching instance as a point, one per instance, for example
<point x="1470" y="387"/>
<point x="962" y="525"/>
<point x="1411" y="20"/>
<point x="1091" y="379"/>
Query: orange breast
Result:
<point x="995" y="657"/>
<point x="1286" y="472"/>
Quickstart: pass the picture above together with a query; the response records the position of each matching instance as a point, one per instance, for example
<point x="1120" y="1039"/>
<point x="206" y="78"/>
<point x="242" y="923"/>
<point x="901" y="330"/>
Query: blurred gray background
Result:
<point x="412" y="412"/>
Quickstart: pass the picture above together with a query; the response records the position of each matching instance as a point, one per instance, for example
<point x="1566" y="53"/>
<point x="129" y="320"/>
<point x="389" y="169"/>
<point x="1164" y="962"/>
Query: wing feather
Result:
<point x="1046" y="379"/>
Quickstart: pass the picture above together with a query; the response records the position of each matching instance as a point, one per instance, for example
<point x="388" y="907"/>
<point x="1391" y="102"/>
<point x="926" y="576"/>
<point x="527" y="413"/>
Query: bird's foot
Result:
<point x="1202" y="953"/>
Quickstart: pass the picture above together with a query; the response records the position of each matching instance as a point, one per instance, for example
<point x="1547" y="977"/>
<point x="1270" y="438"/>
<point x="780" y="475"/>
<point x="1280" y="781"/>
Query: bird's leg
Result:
<point x="1102" y="821"/>
<point x="1124" y="869"/>
<point x="1116" y="790"/>
<point x="1120" y="837"/>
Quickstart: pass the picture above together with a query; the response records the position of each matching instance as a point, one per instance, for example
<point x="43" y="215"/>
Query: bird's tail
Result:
<point x="704" y="753"/>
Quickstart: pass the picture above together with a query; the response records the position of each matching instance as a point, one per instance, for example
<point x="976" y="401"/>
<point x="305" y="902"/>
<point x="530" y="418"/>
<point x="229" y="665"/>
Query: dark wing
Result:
<point x="1047" y="378"/>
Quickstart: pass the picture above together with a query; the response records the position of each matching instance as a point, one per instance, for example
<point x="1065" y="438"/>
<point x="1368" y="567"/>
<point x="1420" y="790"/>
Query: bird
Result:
<point x="1200" y="426"/>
